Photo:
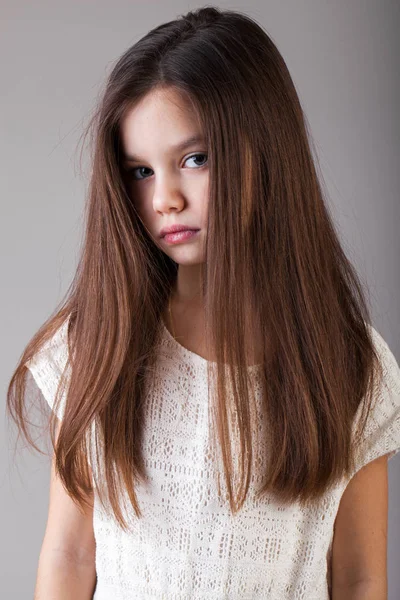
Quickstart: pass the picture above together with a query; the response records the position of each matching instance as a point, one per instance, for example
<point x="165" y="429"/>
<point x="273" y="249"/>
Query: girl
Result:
<point x="220" y="402"/>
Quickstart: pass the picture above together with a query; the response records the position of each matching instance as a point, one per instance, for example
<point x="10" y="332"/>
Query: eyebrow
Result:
<point x="194" y="139"/>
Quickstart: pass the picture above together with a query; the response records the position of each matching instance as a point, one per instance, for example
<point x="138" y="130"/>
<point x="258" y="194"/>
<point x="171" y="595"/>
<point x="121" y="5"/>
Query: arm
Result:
<point x="359" y="550"/>
<point x="364" y="590"/>
<point x="66" y="569"/>
<point x="62" y="577"/>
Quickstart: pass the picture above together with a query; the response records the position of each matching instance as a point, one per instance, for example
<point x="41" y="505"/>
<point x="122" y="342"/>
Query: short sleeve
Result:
<point x="48" y="365"/>
<point x="382" y="433"/>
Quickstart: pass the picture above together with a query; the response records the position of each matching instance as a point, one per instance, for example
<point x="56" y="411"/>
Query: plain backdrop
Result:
<point x="343" y="57"/>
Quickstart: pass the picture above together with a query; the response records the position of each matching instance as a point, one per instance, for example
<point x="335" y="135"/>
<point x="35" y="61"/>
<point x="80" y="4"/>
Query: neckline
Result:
<point x="196" y="358"/>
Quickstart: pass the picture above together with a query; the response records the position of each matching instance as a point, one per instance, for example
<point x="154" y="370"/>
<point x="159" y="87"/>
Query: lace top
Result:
<point x="188" y="545"/>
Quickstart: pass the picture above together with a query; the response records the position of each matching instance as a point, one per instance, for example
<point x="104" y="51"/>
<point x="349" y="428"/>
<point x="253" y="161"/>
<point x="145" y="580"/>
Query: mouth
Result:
<point x="180" y="236"/>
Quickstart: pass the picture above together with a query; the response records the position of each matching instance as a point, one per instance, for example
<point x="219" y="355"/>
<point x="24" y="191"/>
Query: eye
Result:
<point x="141" y="169"/>
<point x="195" y="155"/>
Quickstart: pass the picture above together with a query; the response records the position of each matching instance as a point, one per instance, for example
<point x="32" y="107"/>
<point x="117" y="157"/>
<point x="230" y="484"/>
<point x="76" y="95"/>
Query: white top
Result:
<point x="187" y="545"/>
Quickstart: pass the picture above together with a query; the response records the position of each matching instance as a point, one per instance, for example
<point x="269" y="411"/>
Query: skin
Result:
<point x="169" y="186"/>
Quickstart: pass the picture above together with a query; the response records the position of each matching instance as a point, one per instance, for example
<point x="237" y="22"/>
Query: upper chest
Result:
<point x="188" y="329"/>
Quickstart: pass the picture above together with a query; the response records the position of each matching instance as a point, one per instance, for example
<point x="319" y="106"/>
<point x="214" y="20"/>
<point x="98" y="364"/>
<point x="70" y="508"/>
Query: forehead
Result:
<point x="162" y="118"/>
<point x="160" y="105"/>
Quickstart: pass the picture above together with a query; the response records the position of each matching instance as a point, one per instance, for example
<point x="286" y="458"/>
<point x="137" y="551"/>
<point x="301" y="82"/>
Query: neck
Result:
<point x="187" y="290"/>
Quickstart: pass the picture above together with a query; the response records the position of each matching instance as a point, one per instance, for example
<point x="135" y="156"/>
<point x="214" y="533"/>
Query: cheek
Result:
<point x="140" y="209"/>
<point x="205" y="204"/>
<point x="138" y="202"/>
<point x="145" y="213"/>
<point x="141" y="204"/>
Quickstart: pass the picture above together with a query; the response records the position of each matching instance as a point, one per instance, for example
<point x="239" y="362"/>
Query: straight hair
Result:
<point x="271" y="245"/>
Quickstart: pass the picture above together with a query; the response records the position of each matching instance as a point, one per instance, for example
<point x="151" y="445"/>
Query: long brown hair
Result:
<point x="271" y="244"/>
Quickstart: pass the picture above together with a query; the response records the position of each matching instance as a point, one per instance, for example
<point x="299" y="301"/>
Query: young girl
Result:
<point x="222" y="408"/>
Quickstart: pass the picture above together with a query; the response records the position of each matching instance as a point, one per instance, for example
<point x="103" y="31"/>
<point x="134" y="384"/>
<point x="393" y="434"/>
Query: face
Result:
<point x="167" y="181"/>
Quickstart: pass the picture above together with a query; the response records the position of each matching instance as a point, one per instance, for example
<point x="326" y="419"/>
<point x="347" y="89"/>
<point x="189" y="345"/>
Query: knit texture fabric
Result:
<point x="188" y="545"/>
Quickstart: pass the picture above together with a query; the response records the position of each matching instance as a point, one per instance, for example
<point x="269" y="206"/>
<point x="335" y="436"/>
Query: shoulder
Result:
<point x="389" y="363"/>
<point x="382" y="433"/>
<point x="49" y="364"/>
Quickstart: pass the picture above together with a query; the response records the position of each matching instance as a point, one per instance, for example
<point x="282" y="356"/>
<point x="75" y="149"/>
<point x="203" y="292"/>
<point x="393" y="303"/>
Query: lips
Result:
<point x="176" y="228"/>
<point x="180" y="236"/>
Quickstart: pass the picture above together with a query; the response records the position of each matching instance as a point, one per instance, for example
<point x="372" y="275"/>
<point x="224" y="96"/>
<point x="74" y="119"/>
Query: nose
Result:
<point x="167" y="195"/>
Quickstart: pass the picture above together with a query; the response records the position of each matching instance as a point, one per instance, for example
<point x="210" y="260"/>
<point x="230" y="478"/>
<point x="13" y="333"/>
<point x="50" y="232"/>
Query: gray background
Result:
<point x="343" y="57"/>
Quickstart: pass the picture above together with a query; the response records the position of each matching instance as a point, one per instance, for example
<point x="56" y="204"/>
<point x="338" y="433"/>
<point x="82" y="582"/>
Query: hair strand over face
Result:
<point x="272" y="255"/>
